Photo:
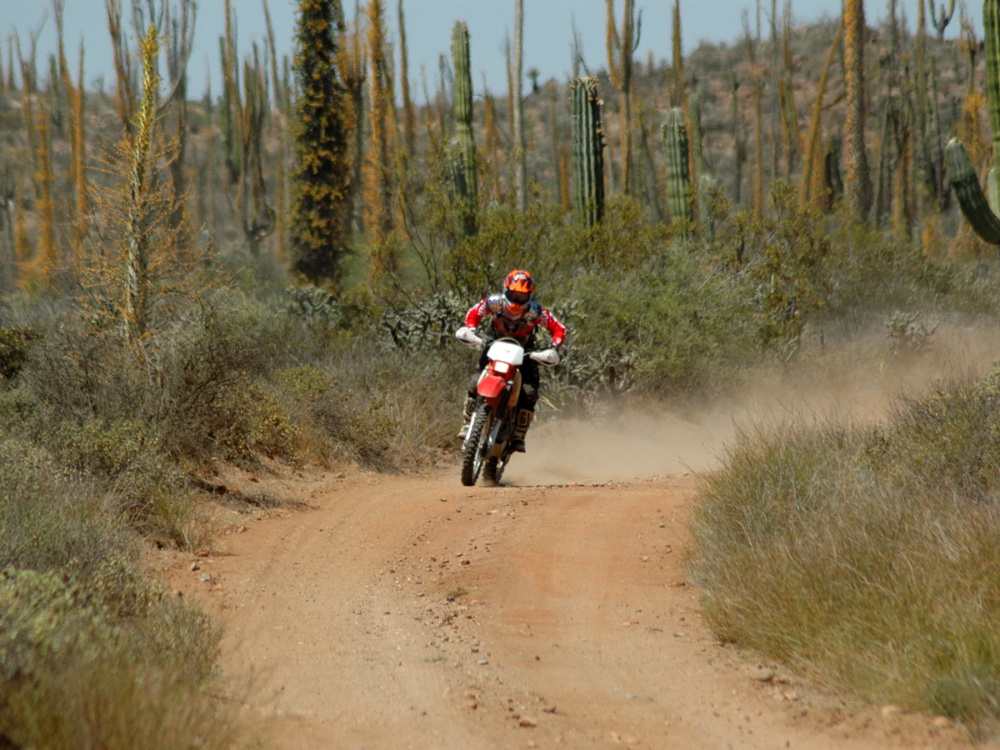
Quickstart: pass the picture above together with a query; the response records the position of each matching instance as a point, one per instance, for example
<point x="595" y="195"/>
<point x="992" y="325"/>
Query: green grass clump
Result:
<point x="868" y="557"/>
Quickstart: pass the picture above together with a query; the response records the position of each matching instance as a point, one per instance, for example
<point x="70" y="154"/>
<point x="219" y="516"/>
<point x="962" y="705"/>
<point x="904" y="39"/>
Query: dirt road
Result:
<point x="411" y="612"/>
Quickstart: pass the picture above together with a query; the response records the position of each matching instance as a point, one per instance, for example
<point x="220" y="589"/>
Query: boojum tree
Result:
<point x="320" y="178"/>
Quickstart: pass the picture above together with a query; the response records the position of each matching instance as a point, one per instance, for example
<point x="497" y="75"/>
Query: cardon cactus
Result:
<point x="588" y="151"/>
<point x="675" y="149"/>
<point x="980" y="212"/>
<point x="467" y="186"/>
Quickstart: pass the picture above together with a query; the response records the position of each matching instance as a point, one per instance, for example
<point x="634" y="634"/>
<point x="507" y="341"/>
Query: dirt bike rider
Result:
<point x="516" y="315"/>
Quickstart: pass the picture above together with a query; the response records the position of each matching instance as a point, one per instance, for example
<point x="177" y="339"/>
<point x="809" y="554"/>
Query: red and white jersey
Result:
<point x="521" y="327"/>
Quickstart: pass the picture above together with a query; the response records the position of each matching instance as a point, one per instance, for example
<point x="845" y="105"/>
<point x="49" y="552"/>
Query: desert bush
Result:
<point x="375" y="405"/>
<point x="89" y="647"/>
<point x="866" y="556"/>
<point x="661" y="328"/>
<point x="15" y="344"/>
<point x="52" y="519"/>
<point x="948" y="438"/>
<point x="79" y="671"/>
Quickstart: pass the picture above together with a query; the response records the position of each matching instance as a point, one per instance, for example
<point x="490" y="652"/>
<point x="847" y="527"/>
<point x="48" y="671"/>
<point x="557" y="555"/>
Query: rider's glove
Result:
<point x="468" y="336"/>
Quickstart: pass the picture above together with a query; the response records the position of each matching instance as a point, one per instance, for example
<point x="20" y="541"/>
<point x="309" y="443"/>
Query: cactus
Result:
<point x="675" y="148"/>
<point x="588" y="151"/>
<point x="468" y="187"/>
<point x="621" y="50"/>
<point x="941" y="21"/>
<point x="517" y="102"/>
<point x="378" y="189"/>
<point x="978" y="211"/>
<point x="857" y="182"/>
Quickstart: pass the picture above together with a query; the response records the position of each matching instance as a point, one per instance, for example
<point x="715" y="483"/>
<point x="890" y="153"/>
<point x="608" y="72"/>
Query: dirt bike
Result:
<point x="486" y="446"/>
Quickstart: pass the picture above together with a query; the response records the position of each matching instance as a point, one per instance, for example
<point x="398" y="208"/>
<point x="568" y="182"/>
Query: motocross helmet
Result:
<point x="517" y="291"/>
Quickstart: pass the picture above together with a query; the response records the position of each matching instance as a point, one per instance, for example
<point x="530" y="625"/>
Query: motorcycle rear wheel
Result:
<point x="472" y="448"/>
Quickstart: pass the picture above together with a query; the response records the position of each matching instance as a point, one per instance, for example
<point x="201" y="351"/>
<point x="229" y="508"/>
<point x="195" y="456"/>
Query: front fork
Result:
<point x="501" y="406"/>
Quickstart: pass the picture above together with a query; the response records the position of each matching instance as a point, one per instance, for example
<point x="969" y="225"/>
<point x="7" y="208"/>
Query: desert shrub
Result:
<point x="50" y="518"/>
<point x="89" y="647"/>
<point x="660" y="328"/>
<point x="867" y="556"/>
<point x="377" y="406"/>
<point x="428" y="323"/>
<point x="182" y="393"/>
<point x="79" y="670"/>
<point x="15" y="344"/>
<point x="948" y="437"/>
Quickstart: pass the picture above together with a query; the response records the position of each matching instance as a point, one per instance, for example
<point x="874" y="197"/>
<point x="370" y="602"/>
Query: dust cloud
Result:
<point x="854" y="381"/>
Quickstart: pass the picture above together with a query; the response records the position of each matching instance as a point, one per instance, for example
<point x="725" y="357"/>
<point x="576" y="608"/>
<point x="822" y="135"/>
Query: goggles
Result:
<point x="518" y="298"/>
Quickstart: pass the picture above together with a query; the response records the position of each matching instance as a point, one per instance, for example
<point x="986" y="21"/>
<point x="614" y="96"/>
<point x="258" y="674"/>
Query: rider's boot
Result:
<point x="521" y="425"/>
<point x="470" y="404"/>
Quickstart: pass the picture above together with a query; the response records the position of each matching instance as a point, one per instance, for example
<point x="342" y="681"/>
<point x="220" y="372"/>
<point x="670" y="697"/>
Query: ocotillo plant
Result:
<point x="409" y="110"/>
<point x="468" y="187"/>
<point x="588" y="152"/>
<point x="675" y="148"/>
<point x="810" y="162"/>
<point x="980" y="213"/>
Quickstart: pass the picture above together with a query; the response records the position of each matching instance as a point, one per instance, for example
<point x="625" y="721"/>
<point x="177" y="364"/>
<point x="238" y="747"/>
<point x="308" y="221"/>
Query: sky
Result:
<point x="548" y="32"/>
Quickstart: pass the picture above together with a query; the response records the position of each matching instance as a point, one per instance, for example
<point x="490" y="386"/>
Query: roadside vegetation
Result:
<point x="866" y="556"/>
<point x="272" y="278"/>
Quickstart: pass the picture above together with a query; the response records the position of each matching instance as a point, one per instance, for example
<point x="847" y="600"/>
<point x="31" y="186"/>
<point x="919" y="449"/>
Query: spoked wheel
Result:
<point x="472" y="448"/>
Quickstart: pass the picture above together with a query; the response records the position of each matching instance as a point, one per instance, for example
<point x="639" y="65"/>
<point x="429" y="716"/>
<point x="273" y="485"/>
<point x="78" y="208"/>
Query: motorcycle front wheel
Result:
<point x="473" y="447"/>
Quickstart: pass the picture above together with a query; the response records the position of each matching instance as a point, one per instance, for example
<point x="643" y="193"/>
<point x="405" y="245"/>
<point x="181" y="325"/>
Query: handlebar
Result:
<point x="549" y="357"/>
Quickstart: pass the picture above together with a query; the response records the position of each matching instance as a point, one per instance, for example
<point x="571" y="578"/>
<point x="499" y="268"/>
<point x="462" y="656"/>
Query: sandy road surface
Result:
<point x="401" y="612"/>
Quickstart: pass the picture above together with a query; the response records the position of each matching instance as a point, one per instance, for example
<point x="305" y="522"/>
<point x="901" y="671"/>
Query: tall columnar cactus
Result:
<point x="588" y="151"/>
<point x="467" y="187"/>
<point x="941" y="21"/>
<point x="857" y="182"/>
<point x="675" y="148"/>
<point x="980" y="212"/>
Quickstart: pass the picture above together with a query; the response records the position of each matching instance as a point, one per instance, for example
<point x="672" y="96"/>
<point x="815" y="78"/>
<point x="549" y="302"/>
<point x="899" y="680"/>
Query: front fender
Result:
<point x="491" y="386"/>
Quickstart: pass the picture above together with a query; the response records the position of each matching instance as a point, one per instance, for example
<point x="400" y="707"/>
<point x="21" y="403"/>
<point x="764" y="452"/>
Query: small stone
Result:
<point x="890" y="710"/>
<point x="195" y="566"/>
<point x="942" y="722"/>
<point x="764" y="675"/>
<point x="528" y="721"/>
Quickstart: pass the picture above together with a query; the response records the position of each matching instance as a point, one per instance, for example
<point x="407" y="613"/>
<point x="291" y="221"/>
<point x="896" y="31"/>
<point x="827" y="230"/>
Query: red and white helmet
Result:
<point x="517" y="291"/>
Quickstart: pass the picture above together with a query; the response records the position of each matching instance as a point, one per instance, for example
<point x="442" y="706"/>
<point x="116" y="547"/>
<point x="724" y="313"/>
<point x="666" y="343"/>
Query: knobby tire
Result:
<point x="472" y="459"/>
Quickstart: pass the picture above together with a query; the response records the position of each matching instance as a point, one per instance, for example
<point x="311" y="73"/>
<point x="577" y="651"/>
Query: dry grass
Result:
<point x="867" y="556"/>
